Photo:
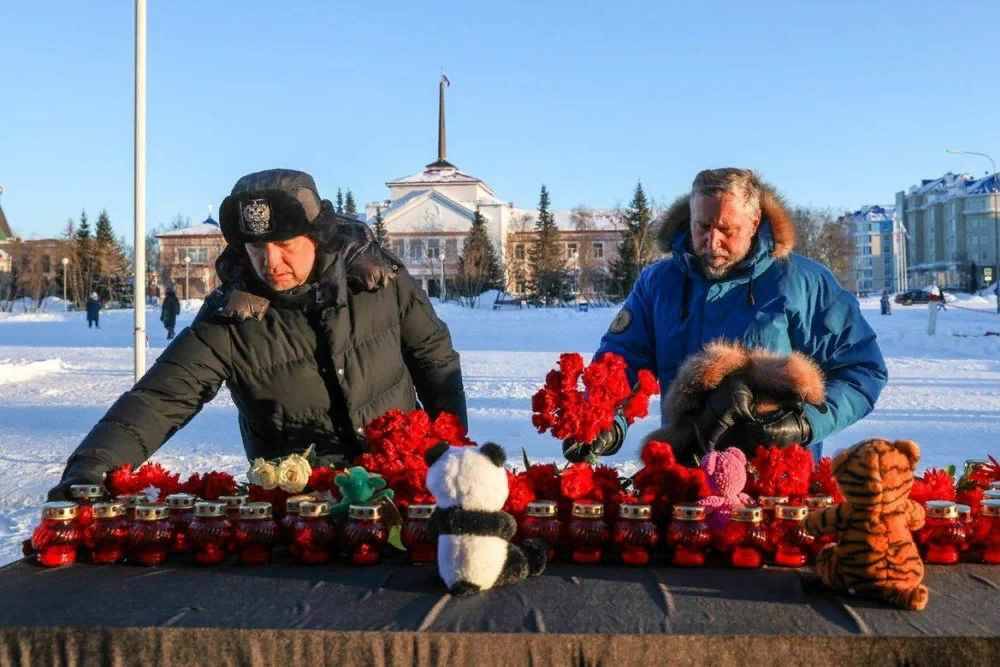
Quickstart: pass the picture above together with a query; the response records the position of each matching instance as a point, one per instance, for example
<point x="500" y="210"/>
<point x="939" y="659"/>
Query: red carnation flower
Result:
<point x="122" y="481"/>
<point x="636" y="407"/>
<point x="935" y="484"/>
<point x="577" y="481"/>
<point x="658" y="454"/>
<point x="217" y="484"/>
<point x="520" y="493"/>
<point x="448" y="428"/>
<point x="321" y="478"/>
<point x="544" y="480"/>
<point x="648" y="383"/>
<point x="822" y="481"/>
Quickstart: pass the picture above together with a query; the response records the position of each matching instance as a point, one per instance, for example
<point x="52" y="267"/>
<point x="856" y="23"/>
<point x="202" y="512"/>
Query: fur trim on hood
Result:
<point x="772" y="209"/>
<point x="774" y="379"/>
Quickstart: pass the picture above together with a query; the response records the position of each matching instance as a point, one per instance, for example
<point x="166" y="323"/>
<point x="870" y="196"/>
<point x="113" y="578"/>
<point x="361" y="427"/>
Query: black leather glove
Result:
<point x="784" y="427"/>
<point x="605" y="444"/>
<point x="729" y="406"/>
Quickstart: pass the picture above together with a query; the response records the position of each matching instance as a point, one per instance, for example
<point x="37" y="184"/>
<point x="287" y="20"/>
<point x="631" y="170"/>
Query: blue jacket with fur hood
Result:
<point x="773" y="299"/>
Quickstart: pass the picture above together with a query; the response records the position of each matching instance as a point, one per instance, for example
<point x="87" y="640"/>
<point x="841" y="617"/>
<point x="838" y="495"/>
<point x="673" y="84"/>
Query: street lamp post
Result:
<point x="187" y="277"/>
<point x="996" y="219"/>
<point x="65" y="263"/>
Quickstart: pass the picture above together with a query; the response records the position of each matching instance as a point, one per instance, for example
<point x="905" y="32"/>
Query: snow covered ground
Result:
<point x="57" y="378"/>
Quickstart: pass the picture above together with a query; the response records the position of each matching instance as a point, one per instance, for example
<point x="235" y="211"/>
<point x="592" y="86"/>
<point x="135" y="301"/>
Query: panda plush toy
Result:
<point x="474" y="533"/>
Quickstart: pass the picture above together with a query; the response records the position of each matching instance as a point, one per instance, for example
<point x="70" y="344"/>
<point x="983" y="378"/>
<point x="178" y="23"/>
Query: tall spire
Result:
<point x="442" y="161"/>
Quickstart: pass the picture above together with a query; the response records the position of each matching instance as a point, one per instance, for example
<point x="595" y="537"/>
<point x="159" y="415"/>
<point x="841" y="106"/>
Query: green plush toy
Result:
<point x="359" y="487"/>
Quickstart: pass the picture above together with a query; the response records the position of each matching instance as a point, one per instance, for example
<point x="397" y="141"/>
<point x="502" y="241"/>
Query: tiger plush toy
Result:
<point x="875" y="555"/>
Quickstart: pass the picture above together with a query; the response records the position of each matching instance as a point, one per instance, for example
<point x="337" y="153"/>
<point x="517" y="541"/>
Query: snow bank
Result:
<point x="12" y="371"/>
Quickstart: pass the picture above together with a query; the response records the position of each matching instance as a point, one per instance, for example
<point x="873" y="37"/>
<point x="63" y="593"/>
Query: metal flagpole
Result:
<point x="139" y="190"/>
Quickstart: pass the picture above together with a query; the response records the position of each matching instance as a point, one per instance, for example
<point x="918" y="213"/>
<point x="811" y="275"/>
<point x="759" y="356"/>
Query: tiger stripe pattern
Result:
<point x="874" y="555"/>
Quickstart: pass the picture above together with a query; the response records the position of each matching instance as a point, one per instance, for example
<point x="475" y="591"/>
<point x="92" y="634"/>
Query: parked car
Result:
<point x="913" y="296"/>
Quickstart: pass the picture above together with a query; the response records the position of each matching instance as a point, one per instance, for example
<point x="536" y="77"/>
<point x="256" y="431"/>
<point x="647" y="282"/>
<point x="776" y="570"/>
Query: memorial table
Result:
<point x="400" y="613"/>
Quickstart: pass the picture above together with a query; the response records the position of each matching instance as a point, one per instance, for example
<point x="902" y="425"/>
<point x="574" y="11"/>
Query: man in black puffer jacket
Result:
<point x="316" y="331"/>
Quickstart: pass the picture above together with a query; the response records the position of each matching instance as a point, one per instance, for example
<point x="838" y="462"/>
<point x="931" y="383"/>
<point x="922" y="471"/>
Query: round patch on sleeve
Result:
<point x="621" y="322"/>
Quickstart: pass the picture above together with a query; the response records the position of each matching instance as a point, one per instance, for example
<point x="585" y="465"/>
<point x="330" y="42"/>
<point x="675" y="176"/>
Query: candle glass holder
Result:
<point x="315" y="537"/>
<point x="421" y="545"/>
<point x="790" y="541"/>
<point x="149" y="535"/>
<point x="541" y="522"/>
<point x="635" y="535"/>
<point x="587" y="533"/>
<point x="256" y="533"/>
<point x="364" y="534"/>
<point x="109" y="534"/>
<point x="181" y="515"/>
<point x="57" y="537"/>
<point x="744" y="540"/>
<point x="210" y="532"/>
<point x="942" y="535"/>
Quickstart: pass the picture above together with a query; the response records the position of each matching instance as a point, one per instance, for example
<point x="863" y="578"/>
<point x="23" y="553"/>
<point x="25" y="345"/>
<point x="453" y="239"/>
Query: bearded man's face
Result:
<point x="722" y="232"/>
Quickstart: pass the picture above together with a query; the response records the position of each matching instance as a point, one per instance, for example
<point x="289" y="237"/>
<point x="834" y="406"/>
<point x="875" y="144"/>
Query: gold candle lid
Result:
<point x="180" y="501"/>
<point x="819" y="502"/>
<point x="59" y="510"/>
<point x="314" y="508"/>
<point x="770" y="502"/>
<point x="748" y="514"/>
<point x="585" y="510"/>
<point x="86" y="491"/>
<point x="132" y="499"/>
<point x="942" y="509"/>
<point x="364" y="512"/>
<point x="109" y="510"/>
<point x="293" y="502"/>
<point x="257" y="510"/>
<point x="992" y="494"/>
<point x="991" y="507"/>
<point x="994" y="486"/>
<point x="791" y="512"/>
<point x="233" y="502"/>
<point x="209" y="508"/>
<point x="630" y="511"/>
<point x="418" y="511"/>
<point x="689" y="512"/>
<point x="542" y="508"/>
<point x="151" y="512"/>
<point x="963" y="510"/>
<point x="972" y="464"/>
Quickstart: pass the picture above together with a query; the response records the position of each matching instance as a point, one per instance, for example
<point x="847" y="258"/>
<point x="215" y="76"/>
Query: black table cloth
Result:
<point x="183" y="614"/>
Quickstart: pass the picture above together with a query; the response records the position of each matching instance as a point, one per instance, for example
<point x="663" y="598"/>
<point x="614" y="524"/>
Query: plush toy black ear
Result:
<point x="495" y="453"/>
<point x="435" y="452"/>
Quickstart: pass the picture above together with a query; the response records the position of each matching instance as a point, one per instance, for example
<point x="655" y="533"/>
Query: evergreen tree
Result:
<point x="84" y="258"/>
<point x="350" y="208"/>
<point x="339" y="206"/>
<point x="110" y="264"/>
<point x="381" y="233"/>
<point x="550" y="281"/>
<point x="637" y="248"/>
<point x="479" y="266"/>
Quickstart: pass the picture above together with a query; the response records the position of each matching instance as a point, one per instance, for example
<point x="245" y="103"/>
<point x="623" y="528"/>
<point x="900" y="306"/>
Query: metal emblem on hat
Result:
<point x="255" y="217"/>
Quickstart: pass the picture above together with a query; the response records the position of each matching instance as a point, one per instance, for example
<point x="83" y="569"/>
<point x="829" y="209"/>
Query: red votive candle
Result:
<point x="744" y="538"/>
<point x="942" y="535"/>
<point x="256" y="533"/>
<point x="819" y="504"/>
<point x="210" y="532"/>
<point x="635" y="534"/>
<point x="364" y="534"/>
<point x="987" y="532"/>
<point x="56" y="538"/>
<point x="149" y="535"/>
<point x="788" y="536"/>
<point x="233" y="505"/>
<point x="421" y="545"/>
<point x="85" y="495"/>
<point x="314" y="535"/>
<point x="688" y="534"/>
<point x="131" y="501"/>
<point x="291" y="519"/>
<point x="769" y="504"/>
<point x="109" y="534"/>
<point x="181" y="515"/>
<point x="541" y="522"/>
<point x="587" y="533"/>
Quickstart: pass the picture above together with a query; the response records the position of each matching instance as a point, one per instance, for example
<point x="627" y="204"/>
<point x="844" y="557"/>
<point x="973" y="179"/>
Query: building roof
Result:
<point x="207" y="228"/>
<point x="5" y="231"/>
<point x="438" y="174"/>
<point x="874" y="213"/>
<point x="985" y="185"/>
<point x="601" y="220"/>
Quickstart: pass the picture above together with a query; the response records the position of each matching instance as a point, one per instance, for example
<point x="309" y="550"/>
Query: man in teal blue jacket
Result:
<point x="732" y="276"/>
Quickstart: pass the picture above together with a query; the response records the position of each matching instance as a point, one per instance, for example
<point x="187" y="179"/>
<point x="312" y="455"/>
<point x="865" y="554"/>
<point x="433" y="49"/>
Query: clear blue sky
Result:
<point x="839" y="104"/>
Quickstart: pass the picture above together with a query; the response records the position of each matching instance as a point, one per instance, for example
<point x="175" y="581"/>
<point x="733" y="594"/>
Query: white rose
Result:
<point x="263" y="474"/>
<point x="293" y="473"/>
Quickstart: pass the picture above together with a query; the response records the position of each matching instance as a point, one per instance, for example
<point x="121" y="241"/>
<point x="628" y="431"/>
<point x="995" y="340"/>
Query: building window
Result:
<point x="197" y="255"/>
<point x="399" y="247"/>
<point x="451" y="249"/>
<point x="571" y="250"/>
<point x="433" y="248"/>
<point x="417" y="249"/>
<point x="598" y="249"/>
<point x="46" y="264"/>
<point x="518" y="251"/>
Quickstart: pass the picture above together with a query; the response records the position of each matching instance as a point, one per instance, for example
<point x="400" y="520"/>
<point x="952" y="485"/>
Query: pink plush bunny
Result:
<point x="727" y="476"/>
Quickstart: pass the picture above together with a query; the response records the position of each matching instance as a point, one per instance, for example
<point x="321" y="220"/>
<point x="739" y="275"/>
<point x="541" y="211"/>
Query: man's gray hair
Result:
<point x="743" y="183"/>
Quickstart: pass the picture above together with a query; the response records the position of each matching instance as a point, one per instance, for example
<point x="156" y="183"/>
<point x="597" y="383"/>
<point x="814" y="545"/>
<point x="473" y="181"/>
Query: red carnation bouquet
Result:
<point x="397" y="442"/>
<point x="934" y="484"/>
<point x="124" y="480"/>
<point x="571" y="413"/>
<point x="663" y="483"/>
<point x="781" y="471"/>
<point x="822" y="482"/>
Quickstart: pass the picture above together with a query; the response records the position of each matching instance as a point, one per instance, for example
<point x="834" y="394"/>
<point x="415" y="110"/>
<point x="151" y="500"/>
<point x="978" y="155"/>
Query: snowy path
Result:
<point x="57" y="379"/>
